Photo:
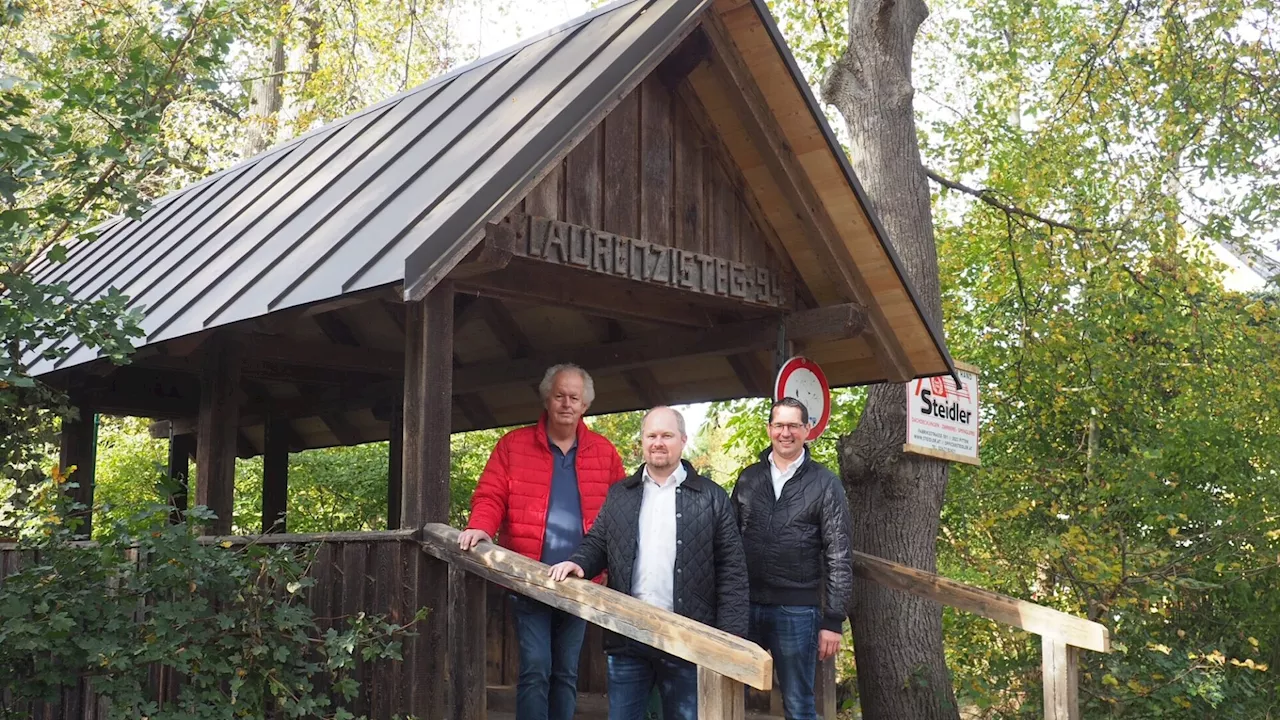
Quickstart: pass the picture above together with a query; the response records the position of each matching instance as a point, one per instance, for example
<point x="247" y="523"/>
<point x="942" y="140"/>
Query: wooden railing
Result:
<point x="725" y="662"/>
<point x="1062" y="636"/>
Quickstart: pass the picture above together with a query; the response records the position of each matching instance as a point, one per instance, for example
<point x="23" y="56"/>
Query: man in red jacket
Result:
<point x="540" y="492"/>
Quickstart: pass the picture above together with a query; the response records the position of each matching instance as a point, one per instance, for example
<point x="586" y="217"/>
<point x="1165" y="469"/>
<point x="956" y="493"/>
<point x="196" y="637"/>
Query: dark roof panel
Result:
<point x="341" y="209"/>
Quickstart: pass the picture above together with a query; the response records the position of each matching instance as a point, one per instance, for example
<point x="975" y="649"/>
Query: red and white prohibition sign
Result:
<point x="802" y="379"/>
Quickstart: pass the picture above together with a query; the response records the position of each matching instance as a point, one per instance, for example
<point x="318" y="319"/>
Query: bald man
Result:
<point x="667" y="536"/>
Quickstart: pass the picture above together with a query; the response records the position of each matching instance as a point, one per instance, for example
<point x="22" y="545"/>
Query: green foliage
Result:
<point x="232" y="622"/>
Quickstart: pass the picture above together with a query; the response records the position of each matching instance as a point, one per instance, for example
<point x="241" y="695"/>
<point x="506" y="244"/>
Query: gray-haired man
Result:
<point x="540" y="493"/>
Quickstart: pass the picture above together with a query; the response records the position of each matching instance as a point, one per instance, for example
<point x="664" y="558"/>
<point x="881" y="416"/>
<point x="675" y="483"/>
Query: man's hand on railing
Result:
<point x="560" y="571"/>
<point x="468" y="539"/>
<point x="828" y="644"/>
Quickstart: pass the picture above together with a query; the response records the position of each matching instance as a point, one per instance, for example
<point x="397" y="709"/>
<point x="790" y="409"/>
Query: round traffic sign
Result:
<point x="802" y="379"/>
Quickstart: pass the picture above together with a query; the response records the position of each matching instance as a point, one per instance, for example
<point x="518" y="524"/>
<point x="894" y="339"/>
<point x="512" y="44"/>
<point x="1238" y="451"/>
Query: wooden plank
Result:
<point x="584" y="189"/>
<point x="466" y="637"/>
<point x="495" y="621"/>
<point x="724" y="212"/>
<point x="275" y="476"/>
<point x="546" y="197"/>
<point x="362" y="536"/>
<point x="689" y="229"/>
<point x="435" y="669"/>
<point x="1060" y="665"/>
<point x="754" y="376"/>
<point x="1047" y="622"/>
<point x="825" y="689"/>
<point x="355" y="558"/>
<point x="181" y="448"/>
<point x="510" y="642"/>
<point x="719" y="696"/>
<point x="78" y="449"/>
<point x="395" y="463"/>
<point x="385" y="673"/>
<point x="216" y="434"/>
<point x="675" y="634"/>
<point x="621" y="167"/>
<point x="656" y="153"/>
<point x="428" y="391"/>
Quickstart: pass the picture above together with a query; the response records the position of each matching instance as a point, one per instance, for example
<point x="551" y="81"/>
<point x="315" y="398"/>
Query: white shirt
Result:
<point x="653" y="580"/>
<point x="780" y="477"/>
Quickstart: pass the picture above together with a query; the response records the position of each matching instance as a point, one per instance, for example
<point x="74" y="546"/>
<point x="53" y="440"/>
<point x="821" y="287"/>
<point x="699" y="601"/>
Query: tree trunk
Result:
<point x="265" y="100"/>
<point x="896" y="499"/>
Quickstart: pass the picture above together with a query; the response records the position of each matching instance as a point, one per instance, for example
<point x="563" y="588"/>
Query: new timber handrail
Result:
<point x="725" y="662"/>
<point x="1061" y="635"/>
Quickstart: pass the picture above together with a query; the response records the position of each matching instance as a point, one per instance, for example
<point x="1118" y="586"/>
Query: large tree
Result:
<point x="1097" y="144"/>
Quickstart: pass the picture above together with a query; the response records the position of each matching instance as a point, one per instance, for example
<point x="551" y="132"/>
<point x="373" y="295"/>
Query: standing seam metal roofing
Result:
<point x="340" y="209"/>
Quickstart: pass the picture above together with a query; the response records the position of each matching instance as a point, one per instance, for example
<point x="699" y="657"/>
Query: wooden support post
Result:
<point x="216" y="431"/>
<point x="395" y="463"/>
<point x="79" y="449"/>
<point x="181" y="448"/>
<point x="467" y="644"/>
<point x="428" y="409"/>
<point x="1060" y="665"/>
<point x="719" y="697"/>
<point x="275" y="476"/>
<point x="824" y="689"/>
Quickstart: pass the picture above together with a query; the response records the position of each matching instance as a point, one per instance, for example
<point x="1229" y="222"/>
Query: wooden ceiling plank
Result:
<point x="751" y="107"/>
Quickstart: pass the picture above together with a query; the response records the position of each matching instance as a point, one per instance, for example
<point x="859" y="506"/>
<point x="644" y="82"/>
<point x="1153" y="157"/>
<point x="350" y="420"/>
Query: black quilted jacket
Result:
<point x="797" y="540"/>
<point x="711" y="574"/>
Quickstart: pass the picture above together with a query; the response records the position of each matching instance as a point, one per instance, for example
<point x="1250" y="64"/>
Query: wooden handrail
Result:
<point x="704" y="646"/>
<point x="1049" y="623"/>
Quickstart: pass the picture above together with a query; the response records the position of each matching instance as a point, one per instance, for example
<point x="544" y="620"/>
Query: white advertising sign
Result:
<point x="942" y="420"/>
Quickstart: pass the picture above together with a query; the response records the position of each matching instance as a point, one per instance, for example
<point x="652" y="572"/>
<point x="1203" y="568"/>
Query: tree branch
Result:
<point x="993" y="198"/>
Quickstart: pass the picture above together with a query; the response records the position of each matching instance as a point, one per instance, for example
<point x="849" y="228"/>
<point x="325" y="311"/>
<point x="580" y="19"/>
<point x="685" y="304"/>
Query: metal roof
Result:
<point x="340" y="209"/>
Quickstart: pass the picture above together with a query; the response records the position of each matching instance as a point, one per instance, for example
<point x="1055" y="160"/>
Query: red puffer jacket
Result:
<point x="511" y="497"/>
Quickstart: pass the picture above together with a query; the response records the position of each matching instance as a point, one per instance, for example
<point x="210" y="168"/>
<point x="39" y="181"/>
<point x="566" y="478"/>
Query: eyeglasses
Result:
<point x="793" y="427"/>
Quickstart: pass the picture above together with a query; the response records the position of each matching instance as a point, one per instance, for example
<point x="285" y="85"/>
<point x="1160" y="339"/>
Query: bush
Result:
<point x="232" y="622"/>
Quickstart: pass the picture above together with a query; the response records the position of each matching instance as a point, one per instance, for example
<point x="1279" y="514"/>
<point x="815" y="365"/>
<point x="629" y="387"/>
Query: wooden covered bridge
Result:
<point x="650" y="191"/>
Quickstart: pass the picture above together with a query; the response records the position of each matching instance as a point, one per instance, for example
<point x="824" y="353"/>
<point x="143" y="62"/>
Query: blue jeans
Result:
<point x="790" y="634"/>
<point x="550" y="643"/>
<point x="633" y="677"/>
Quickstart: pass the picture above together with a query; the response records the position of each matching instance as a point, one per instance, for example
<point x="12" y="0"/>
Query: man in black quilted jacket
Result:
<point x="667" y="536"/>
<point x="795" y="527"/>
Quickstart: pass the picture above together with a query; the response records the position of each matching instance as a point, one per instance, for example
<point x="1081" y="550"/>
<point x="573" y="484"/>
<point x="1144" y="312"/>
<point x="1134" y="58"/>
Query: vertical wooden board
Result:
<point x="322" y="574"/>
<point x="1060" y="666"/>
<point x="824" y="689"/>
<point x="395" y="465"/>
<point x="510" y="644"/>
<point x="275" y="476"/>
<point x="656" y="153"/>
<point x="78" y="448"/>
<point x="382" y="575"/>
<point x="354" y="559"/>
<point x="466" y="643"/>
<point x="724" y="216"/>
<point x="415" y="648"/>
<point x="545" y="199"/>
<point x="593" y="671"/>
<point x="719" y="697"/>
<point x="494" y="631"/>
<point x="751" y="240"/>
<point x="621" y="168"/>
<point x="690" y="225"/>
<point x="583" y="178"/>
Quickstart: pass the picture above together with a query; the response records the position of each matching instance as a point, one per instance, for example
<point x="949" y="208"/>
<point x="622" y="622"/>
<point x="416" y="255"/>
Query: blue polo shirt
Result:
<point x="564" y="507"/>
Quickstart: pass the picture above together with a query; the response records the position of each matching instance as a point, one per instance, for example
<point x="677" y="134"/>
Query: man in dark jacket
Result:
<point x="667" y="536"/>
<point x="795" y="527"/>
